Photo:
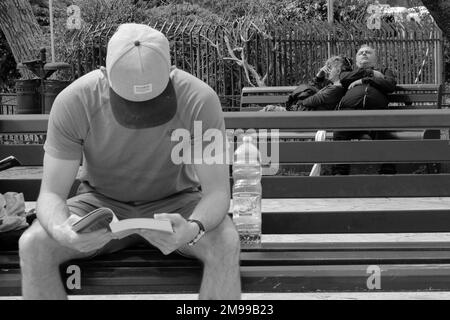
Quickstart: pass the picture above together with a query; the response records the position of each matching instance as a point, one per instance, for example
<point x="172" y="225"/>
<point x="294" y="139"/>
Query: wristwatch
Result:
<point x="201" y="231"/>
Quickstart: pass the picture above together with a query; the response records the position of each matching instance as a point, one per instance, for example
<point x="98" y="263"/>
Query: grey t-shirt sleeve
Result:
<point x="209" y="117"/>
<point x="210" y="113"/>
<point x="67" y="126"/>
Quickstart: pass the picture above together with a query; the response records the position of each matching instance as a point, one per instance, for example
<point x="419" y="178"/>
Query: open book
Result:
<point x="105" y="218"/>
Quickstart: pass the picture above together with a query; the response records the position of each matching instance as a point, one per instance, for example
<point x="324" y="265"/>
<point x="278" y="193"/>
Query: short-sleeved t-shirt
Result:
<point x="129" y="165"/>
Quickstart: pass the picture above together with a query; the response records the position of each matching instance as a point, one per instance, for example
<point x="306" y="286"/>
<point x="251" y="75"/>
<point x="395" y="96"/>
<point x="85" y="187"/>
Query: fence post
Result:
<point x="438" y="56"/>
<point x="330" y="21"/>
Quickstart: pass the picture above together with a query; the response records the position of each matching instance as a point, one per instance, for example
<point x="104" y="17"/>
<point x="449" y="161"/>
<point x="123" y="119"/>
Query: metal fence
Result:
<point x="8" y="102"/>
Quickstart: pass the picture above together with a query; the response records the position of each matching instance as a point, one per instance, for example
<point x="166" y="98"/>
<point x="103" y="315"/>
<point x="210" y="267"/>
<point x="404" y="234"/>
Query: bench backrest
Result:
<point x="406" y="96"/>
<point x="305" y="152"/>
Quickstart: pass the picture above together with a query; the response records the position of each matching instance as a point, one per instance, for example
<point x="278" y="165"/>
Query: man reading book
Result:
<point x="119" y="121"/>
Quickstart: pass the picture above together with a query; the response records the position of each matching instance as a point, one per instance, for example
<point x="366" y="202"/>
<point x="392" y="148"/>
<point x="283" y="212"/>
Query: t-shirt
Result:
<point x="129" y="165"/>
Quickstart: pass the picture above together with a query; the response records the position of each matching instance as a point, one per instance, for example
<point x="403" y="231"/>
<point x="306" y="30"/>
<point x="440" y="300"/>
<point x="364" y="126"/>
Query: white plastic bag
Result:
<point x="321" y="135"/>
<point x="12" y="212"/>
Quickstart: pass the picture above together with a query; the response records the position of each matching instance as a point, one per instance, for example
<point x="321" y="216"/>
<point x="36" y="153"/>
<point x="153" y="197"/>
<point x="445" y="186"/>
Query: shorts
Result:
<point x="87" y="200"/>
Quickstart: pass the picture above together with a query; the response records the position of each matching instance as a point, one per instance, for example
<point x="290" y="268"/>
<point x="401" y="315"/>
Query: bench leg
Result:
<point x="219" y="251"/>
<point x="40" y="258"/>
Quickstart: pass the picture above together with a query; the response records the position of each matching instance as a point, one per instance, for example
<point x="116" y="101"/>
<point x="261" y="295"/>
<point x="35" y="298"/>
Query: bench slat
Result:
<point x="419" y="87"/>
<point x="364" y="151"/>
<point x="357" y="186"/>
<point x="345" y="120"/>
<point x="152" y="258"/>
<point x="308" y="152"/>
<point x="28" y="155"/>
<point x="307" y="121"/>
<point x="24" y="123"/>
<point x="264" y="99"/>
<point x="308" y="278"/>
<point x="413" y="97"/>
<point x="29" y="187"/>
<point x="252" y="90"/>
<point x="422" y="185"/>
<point x="381" y="221"/>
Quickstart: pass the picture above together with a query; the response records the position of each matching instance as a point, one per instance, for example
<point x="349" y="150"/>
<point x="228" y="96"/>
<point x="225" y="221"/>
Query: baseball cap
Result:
<point x="138" y="67"/>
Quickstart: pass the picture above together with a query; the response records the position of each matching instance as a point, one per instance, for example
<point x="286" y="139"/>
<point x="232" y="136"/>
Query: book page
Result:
<point x="141" y="223"/>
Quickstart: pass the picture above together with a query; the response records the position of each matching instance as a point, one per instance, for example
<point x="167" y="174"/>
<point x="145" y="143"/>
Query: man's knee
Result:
<point x="31" y="241"/>
<point x="223" y="241"/>
<point x="36" y="245"/>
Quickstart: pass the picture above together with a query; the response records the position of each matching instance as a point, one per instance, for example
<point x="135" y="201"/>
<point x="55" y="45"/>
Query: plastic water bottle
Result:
<point x="247" y="192"/>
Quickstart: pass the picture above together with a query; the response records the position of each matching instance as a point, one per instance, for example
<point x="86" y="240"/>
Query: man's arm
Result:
<point x="330" y="95"/>
<point x="215" y="202"/>
<point x="53" y="213"/>
<point x="348" y="77"/>
<point x="387" y="84"/>
<point x="58" y="177"/>
<point x="210" y="210"/>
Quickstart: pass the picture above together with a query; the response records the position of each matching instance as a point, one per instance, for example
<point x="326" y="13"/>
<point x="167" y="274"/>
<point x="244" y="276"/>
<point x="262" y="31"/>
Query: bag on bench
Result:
<point x="12" y="212"/>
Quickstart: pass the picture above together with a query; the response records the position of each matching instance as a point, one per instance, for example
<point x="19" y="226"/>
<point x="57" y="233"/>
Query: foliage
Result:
<point x="273" y="10"/>
<point x="185" y="12"/>
<point x="111" y="12"/>
<point x="41" y="10"/>
<point x="8" y="70"/>
<point x="99" y="15"/>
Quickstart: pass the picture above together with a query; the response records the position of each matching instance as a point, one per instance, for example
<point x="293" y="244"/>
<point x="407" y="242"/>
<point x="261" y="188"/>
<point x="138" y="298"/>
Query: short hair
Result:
<point x="366" y="46"/>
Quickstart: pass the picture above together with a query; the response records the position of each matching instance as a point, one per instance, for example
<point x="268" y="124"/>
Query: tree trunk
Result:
<point x="440" y="10"/>
<point x="21" y="30"/>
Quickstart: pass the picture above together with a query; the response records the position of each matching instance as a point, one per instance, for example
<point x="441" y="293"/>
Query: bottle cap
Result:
<point x="247" y="152"/>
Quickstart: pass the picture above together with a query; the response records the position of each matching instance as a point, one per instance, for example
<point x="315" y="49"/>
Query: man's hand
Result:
<point x="82" y="242"/>
<point x="184" y="232"/>
<point x="323" y="72"/>
<point x="355" y="83"/>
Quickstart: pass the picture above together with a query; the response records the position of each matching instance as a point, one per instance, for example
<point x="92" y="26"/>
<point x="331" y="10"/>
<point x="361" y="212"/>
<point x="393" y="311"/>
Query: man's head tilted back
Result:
<point x="138" y="69"/>
<point x="366" y="57"/>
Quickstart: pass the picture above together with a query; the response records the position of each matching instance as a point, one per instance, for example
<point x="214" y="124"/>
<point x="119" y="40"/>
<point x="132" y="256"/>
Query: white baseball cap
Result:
<point x="138" y="68"/>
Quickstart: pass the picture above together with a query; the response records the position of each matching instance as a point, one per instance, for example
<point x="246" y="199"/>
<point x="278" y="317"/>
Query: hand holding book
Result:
<point x="104" y="218"/>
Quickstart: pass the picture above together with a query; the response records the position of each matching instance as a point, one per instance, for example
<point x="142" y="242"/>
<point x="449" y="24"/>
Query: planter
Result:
<point x="28" y="97"/>
<point x="51" y="89"/>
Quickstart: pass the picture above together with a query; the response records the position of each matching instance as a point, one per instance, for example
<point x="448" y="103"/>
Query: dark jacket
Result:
<point x="372" y="94"/>
<point x="304" y="91"/>
<point x="326" y="99"/>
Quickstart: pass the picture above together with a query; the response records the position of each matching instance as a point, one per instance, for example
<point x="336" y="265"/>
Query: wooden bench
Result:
<point x="407" y="96"/>
<point x="416" y="96"/>
<point x="319" y="233"/>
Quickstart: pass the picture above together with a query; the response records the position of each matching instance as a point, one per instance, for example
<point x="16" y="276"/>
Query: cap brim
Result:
<point x="145" y="114"/>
